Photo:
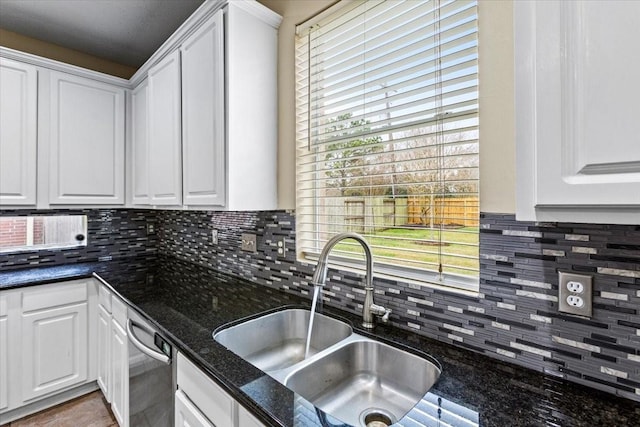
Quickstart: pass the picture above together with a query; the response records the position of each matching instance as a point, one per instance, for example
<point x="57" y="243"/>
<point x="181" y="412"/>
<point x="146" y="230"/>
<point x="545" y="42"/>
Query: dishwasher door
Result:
<point x="151" y="375"/>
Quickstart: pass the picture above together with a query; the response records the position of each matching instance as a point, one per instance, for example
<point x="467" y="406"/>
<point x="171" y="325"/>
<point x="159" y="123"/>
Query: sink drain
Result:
<point x="376" y="417"/>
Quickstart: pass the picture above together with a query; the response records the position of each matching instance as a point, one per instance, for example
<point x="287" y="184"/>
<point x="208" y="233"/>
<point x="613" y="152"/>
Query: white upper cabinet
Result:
<point x="85" y="141"/>
<point x="203" y="135"/>
<point x="252" y="106"/>
<point x="18" y="132"/>
<point x="577" y="127"/>
<point x="139" y="150"/>
<point x="165" y="171"/>
<point x="200" y="128"/>
<point x="212" y="109"/>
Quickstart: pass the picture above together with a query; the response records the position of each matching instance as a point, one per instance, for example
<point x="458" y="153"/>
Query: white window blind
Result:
<point x="387" y="136"/>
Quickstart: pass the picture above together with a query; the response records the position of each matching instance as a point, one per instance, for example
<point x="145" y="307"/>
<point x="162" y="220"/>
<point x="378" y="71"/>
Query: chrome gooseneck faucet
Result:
<point x="320" y="276"/>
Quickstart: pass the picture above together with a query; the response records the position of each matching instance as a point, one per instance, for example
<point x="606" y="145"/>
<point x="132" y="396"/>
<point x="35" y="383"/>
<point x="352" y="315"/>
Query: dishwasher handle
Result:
<point x="141" y="346"/>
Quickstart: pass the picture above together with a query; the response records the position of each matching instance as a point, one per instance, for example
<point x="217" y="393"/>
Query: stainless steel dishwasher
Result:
<point x="151" y="375"/>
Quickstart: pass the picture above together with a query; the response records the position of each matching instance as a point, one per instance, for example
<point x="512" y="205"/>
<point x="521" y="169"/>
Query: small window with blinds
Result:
<point x="387" y="137"/>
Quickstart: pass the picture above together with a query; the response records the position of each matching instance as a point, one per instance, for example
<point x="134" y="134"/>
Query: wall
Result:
<point x="111" y="234"/>
<point x="52" y="51"/>
<point x="515" y="315"/>
<point x="293" y="13"/>
<point x="496" y="96"/>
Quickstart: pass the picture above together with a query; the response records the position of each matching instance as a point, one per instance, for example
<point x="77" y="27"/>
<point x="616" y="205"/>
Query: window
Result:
<point x="27" y="233"/>
<point x="387" y="137"/>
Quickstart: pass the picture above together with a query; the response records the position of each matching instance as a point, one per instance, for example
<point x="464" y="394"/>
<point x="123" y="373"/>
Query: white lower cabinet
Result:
<point x="104" y="352"/>
<point x="54" y="350"/>
<point x="201" y="402"/>
<point x="187" y="415"/>
<point x="46" y="339"/>
<point x="245" y="419"/>
<point x="120" y="374"/>
<point x="4" y="353"/>
<point x="113" y="354"/>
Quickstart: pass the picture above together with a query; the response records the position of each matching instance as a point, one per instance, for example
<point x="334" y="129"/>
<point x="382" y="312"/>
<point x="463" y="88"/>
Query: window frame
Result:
<point x="381" y="269"/>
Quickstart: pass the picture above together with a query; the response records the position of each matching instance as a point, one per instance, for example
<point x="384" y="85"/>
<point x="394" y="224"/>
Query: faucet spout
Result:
<point x="320" y="277"/>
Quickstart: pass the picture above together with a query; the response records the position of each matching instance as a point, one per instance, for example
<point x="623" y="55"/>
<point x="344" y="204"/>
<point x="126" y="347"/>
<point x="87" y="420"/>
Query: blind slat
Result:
<point x="387" y="135"/>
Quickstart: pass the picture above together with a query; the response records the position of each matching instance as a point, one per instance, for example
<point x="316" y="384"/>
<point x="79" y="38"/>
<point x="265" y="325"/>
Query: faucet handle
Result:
<point x="380" y="311"/>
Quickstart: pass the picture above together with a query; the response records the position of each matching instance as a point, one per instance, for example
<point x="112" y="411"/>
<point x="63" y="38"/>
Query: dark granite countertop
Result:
<point x="189" y="302"/>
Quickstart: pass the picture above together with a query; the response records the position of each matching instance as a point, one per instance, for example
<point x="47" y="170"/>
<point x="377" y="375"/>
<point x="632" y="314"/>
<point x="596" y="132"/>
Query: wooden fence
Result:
<point x="448" y="211"/>
<point x="368" y="214"/>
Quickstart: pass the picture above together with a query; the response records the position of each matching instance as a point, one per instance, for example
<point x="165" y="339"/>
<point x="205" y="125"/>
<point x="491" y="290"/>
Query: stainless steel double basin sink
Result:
<point x="356" y="379"/>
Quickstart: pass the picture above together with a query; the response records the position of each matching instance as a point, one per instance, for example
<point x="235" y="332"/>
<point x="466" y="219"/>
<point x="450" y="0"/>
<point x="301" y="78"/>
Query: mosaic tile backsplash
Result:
<point x="515" y="316"/>
<point x="112" y="234"/>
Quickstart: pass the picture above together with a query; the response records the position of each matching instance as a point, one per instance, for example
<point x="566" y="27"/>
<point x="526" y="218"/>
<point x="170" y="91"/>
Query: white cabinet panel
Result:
<point x="207" y="396"/>
<point x="212" y="115"/>
<point x="55" y="349"/>
<point x="86" y="137"/>
<point x="577" y="127"/>
<point x="120" y="374"/>
<point x="18" y="132"/>
<point x="4" y="362"/>
<point x="104" y="352"/>
<point x="252" y="112"/>
<point x="104" y="297"/>
<point x="165" y="176"/>
<point x="140" y="144"/>
<point x="203" y="135"/>
<point x="39" y="298"/>
<point x="245" y="419"/>
<point x="187" y="415"/>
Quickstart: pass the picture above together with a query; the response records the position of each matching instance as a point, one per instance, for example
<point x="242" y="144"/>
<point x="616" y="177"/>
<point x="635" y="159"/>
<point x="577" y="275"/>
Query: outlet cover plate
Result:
<point x="587" y="294"/>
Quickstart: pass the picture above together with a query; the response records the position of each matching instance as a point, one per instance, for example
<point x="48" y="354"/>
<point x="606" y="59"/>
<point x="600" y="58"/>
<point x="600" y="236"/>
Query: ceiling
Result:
<point x="124" y="31"/>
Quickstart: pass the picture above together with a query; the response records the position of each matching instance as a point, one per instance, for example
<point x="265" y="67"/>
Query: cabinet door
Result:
<point x="140" y="144"/>
<point x="104" y="352"/>
<point x="4" y="362"/>
<point x="120" y="374"/>
<point x="86" y="140"/>
<point x="187" y="415"/>
<point x="577" y="121"/>
<point x="18" y="126"/>
<point x="165" y="165"/>
<point x="245" y="419"/>
<point x="203" y="136"/>
<point x="54" y="349"/>
<point x="205" y="394"/>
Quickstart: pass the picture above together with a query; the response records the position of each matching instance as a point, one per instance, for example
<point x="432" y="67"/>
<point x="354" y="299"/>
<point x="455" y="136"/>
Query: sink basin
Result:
<point x="277" y="341"/>
<point x="365" y="382"/>
<point x="352" y="378"/>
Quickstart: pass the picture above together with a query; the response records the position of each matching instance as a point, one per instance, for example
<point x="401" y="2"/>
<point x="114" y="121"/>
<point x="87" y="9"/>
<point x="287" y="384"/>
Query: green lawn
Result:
<point x="397" y="245"/>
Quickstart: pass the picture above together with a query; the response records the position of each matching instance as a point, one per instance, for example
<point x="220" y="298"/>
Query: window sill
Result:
<point x="464" y="286"/>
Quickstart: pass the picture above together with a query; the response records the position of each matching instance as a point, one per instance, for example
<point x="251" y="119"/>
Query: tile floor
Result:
<point x="90" y="410"/>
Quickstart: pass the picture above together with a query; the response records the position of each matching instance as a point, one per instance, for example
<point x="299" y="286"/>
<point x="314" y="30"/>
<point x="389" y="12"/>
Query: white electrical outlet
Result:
<point x="214" y="237"/>
<point x="575" y="294"/>
<point x="575" y="301"/>
<point x="282" y="247"/>
<point x="575" y="287"/>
